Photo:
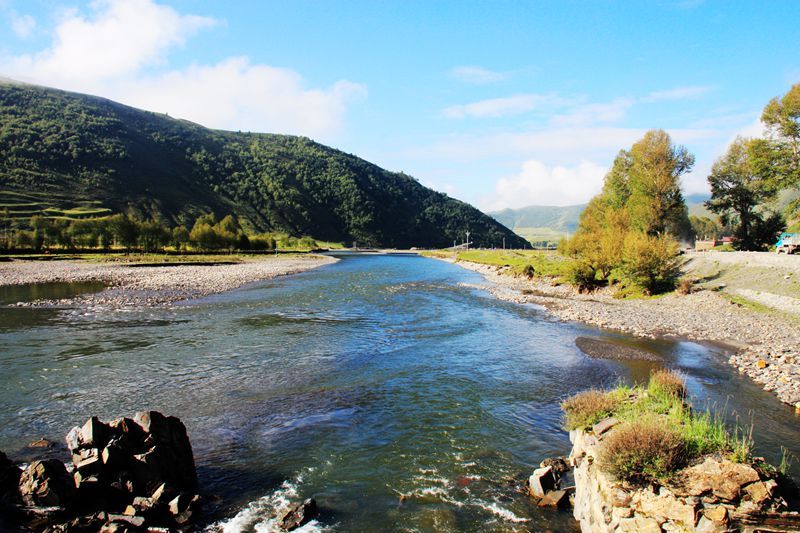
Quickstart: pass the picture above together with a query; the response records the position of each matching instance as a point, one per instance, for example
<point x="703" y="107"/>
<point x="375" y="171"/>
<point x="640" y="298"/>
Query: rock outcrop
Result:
<point x="714" y="495"/>
<point x="130" y="474"/>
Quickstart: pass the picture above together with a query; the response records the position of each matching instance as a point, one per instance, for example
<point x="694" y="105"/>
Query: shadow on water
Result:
<point x="392" y="389"/>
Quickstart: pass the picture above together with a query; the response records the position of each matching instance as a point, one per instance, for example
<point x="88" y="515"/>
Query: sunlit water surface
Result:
<point x="356" y="383"/>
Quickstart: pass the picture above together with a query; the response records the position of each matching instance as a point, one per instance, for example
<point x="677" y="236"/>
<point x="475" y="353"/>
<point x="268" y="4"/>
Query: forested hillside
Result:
<point x="91" y="156"/>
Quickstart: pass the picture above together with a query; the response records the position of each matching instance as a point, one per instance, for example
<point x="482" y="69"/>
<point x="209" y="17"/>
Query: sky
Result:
<point x="502" y="104"/>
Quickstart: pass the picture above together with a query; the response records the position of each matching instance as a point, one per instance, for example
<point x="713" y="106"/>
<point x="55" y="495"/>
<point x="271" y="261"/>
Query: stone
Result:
<point x="666" y="507"/>
<point x="604" y="425"/>
<point x="718" y="515"/>
<point x="73" y="439"/>
<point x="638" y="524"/>
<point x="761" y="363"/>
<point x="298" y="515"/>
<point x="47" y="484"/>
<point x="757" y="492"/>
<point x="555" y="498"/>
<point x="94" y="434"/>
<point x="721" y="477"/>
<point x="541" y="482"/>
<point x="134" y="521"/>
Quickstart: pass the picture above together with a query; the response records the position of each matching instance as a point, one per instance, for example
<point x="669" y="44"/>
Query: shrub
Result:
<point x="588" y="408"/>
<point x="528" y="271"/>
<point x="651" y="263"/>
<point x="643" y="450"/>
<point x="685" y="286"/>
<point x="667" y="383"/>
<point x="582" y="275"/>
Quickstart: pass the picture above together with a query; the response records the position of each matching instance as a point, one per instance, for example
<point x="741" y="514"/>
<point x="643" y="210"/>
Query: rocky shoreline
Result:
<point x="767" y="347"/>
<point x="145" y="286"/>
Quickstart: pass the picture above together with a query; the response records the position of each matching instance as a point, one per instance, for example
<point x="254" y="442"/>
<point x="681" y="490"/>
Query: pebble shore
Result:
<point x="142" y="286"/>
<point x="766" y="347"/>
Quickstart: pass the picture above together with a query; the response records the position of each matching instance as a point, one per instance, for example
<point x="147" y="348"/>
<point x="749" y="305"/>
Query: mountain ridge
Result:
<point x="154" y="166"/>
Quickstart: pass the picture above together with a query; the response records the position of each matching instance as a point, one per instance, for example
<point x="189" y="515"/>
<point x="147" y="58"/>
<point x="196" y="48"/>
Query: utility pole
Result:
<point x="468" y="241"/>
<point x="504" y="243"/>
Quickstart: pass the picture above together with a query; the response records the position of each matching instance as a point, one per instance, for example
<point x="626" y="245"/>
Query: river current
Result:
<point x="393" y="389"/>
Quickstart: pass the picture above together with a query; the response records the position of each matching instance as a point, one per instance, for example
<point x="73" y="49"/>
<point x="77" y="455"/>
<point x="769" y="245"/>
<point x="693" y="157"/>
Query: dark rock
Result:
<point x="47" y="484"/>
<point x="298" y="515"/>
<point x="9" y="480"/>
<point x="559" y="464"/>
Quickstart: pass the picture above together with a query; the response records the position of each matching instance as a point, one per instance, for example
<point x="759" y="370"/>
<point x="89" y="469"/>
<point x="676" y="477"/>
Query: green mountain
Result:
<point x="539" y="223"/>
<point x="79" y="155"/>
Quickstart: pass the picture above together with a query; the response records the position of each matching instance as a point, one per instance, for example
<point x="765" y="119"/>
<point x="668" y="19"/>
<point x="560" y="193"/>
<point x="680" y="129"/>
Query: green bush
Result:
<point x="642" y="450"/>
<point x="581" y="275"/>
<point x="651" y="262"/>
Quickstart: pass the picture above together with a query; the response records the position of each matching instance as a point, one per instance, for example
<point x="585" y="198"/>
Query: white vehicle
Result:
<point x="788" y="243"/>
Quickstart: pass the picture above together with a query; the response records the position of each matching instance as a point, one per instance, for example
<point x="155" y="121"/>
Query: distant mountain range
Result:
<point x="73" y="155"/>
<point x="539" y="223"/>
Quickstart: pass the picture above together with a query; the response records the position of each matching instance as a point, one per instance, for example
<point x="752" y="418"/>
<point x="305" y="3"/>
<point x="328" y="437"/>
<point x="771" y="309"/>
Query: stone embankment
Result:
<point x="137" y="286"/>
<point x="767" y="346"/>
<point x="714" y="495"/>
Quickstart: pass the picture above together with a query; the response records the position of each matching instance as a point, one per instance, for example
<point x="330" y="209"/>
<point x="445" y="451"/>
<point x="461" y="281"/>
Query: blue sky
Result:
<point x="501" y="104"/>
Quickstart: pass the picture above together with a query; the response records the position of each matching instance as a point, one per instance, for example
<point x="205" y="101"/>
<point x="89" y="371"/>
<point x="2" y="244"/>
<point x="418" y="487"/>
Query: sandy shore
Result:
<point x="758" y="339"/>
<point x="132" y="286"/>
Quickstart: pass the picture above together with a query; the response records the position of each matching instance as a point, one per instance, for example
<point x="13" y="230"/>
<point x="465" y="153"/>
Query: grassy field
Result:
<point x="22" y="206"/>
<point x="544" y="263"/>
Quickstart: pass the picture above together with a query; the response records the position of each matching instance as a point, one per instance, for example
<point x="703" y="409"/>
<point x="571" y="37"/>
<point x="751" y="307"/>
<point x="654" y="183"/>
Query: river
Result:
<point x="359" y="382"/>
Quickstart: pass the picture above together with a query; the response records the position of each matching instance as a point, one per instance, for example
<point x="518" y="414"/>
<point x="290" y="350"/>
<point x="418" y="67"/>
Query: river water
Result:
<point x="359" y="382"/>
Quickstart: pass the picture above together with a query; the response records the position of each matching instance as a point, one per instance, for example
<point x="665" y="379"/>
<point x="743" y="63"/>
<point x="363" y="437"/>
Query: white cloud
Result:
<point x="587" y="114"/>
<point x="235" y="94"/>
<point x="500" y="107"/>
<point x="122" y="37"/>
<point x="121" y="51"/>
<point x="22" y="25"/>
<point x="475" y="74"/>
<point x="539" y="184"/>
<point x="679" y="93"/>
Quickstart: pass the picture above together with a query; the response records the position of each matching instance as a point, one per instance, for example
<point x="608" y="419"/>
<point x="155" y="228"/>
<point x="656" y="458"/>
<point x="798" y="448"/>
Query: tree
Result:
<point x="776" y="159"/>
<point x="656" y="203"/>
<point x="737" y="192"/>
<point x="628" y="231"/>
<point x="125" y="229"/>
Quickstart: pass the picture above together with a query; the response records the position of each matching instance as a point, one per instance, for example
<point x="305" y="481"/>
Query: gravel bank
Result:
<point x="767" y="347"/>
<point x="131" y="286"/>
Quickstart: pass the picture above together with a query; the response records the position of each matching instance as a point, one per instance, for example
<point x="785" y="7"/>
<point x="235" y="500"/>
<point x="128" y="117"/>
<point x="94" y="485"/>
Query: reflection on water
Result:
<point x="389" y="388"/>
<point x="11" y="294"/>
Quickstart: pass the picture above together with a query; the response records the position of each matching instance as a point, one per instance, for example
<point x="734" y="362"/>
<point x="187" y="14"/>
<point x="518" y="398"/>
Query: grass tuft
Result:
<point x="667" y="382"/>
<point x="588" y="408"/>
<point x="642" y="450"/>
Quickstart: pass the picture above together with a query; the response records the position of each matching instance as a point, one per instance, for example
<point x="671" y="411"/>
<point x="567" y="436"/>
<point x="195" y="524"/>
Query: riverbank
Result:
<point x="767" y="346"/>
<point x="129" y="285"/>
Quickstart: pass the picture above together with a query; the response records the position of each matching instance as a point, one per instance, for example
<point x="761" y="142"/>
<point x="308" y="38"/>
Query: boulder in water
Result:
<point x="298" y="515"/>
